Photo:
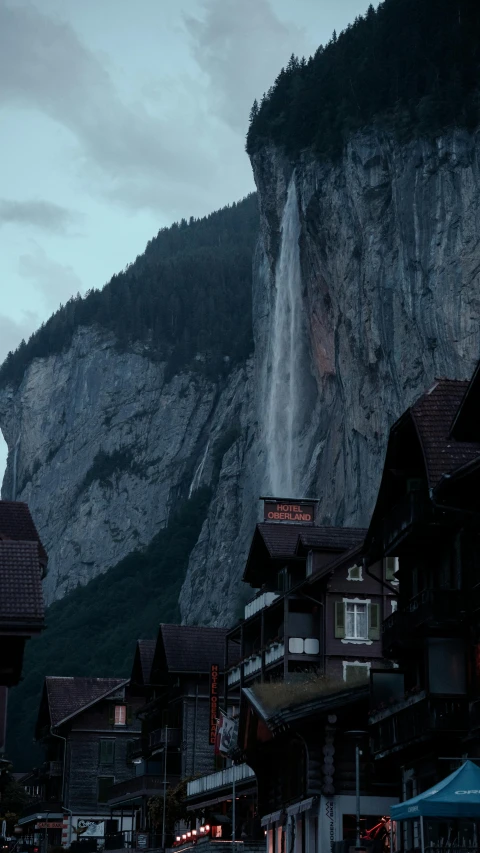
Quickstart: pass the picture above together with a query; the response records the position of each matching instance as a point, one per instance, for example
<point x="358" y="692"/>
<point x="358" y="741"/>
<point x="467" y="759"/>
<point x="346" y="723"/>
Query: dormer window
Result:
<point x="120" y="716"/>
<point x="354" y="573"/>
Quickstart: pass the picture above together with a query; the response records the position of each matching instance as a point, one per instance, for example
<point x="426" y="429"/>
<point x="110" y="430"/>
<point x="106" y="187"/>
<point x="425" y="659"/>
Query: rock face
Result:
<point x="101" y="446"/>
<point x="390" y="262"/>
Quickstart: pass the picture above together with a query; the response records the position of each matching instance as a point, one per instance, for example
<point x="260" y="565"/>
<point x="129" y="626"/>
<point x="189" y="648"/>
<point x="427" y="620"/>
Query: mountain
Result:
<point x="365" y="289"/>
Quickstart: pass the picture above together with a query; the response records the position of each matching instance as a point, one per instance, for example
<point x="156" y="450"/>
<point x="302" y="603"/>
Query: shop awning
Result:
<point x="456" y="796"/>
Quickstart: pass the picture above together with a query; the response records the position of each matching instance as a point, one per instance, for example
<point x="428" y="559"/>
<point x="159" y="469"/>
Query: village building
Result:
<point x="86" y="727"/>
<point x="183" y="683"/>
<point x="23" y="565"/>
<point x="425" y="712"/>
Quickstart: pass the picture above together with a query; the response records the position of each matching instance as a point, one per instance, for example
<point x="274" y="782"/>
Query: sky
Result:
<point x="118" y="117"/>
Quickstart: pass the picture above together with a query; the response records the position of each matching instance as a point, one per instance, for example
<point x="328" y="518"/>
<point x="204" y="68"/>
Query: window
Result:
<point x="391" y="566"/>
<point x="355" y="671"/>
<point x="355" y="574"/>
<point x="120" y="715"/>
<point x="107" y="751"/>
<point x="104" y="784"/>
<point x="394" y="604"/>
<point x="357" y="620"/>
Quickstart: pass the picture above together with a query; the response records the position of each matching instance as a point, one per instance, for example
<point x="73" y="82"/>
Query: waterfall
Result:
<point x="286" y="362"/>
<point x="198" y="473"/>
<point x="14" y="473"/>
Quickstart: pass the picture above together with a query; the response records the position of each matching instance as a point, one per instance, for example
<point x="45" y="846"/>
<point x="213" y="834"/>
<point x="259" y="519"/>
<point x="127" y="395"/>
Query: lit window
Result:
<point x="356" y="621"/>
<point x="120" y="715"/>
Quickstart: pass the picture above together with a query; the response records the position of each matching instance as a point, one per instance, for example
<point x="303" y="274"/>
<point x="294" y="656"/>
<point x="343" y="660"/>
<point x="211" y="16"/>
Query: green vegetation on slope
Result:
<point x="189" y="294"/>
<point x="414" y="64"/>
<point x="94" y="629"/>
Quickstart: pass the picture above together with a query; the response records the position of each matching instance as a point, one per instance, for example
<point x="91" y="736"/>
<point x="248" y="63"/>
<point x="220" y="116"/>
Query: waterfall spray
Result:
<point x="285" y="367"/>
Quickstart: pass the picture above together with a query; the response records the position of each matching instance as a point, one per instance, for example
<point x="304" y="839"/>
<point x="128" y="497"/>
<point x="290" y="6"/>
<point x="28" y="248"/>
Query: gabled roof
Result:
<point x="330" y="539"/>
<point x="281" y="539"/>
<point x="188" y="648"/>
<point x="16" y="524"/>
<point x="143" y="660"/>
<point x="433" y="415"/>
<point x="21" y="599"/>
<point x="67" y="697"/>
<point x="346" y="558"/>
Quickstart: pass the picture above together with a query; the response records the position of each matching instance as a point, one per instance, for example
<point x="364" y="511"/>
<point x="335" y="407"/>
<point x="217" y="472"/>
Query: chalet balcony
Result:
<point x="233" y="676"/>
<point x="157" y="738"/>
<point x="252" y="665"/>
<point x="138" y="786"/>
<point x="260" y="602"/>
<point x="274" y="652"/>
<point x="412" y="510"/>
<point x="222" y="779"/>
<point x="431" y="608"/>
<point x="415" y="718"/>
<point x="51" y="768"/>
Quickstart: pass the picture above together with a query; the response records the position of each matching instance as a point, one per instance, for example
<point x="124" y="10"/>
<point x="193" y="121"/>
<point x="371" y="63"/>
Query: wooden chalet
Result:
<point x="425" y="713"/>
<point x="176" y="740"/>
<point x="86" y="727"/>
<point x="23" y="564"/>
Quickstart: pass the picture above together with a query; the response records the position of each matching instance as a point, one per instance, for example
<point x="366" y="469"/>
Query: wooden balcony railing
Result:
<point x="157" y="738"/>
<point x="138" y="786"/>
<point x="430" y="608"/>
<point x="416" y="717"/>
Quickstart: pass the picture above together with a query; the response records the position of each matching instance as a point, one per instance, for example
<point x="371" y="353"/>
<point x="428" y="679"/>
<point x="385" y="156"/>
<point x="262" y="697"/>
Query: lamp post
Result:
<point x="358" y="734"/>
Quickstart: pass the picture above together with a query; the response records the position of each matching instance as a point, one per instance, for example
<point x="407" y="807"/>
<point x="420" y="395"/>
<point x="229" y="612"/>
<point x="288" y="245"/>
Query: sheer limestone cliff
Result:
<point x="390" y="262"/>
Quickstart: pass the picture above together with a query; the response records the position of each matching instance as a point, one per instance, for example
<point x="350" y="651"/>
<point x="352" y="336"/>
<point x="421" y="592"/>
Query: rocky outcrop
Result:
<point x="102" y="448"/>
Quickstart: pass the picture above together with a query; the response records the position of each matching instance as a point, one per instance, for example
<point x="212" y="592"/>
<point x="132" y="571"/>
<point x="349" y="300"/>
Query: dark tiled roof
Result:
<point x="281" y="539"/>
<point x="68" y="696"/>
<point x="146" y="650"/>
<point x="21" y="597"/>
<point x="190" y="648"/>
<point x="332" y="538"/>
<point x="433" y="415"/>
<point x="16" y="523"/>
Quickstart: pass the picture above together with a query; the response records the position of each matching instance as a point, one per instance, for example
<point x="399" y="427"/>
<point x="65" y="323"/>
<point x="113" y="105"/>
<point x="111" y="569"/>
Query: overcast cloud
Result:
<point x="119" y="117"/>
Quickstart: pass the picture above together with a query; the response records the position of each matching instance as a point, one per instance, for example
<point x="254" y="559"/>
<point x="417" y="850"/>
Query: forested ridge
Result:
<point x="188" y="295"/>
<point x="411" y="65"/>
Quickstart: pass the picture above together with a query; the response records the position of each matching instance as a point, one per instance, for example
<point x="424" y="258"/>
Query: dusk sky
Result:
<point x="121" y="116"/>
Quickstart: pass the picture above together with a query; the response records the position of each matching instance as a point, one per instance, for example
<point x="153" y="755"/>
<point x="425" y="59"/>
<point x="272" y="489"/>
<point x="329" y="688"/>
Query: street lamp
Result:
<point x="358" y="734"/>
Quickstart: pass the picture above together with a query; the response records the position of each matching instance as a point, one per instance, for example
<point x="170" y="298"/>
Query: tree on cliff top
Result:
<point x="413" y="65"/>
<point x="187" y="299"/>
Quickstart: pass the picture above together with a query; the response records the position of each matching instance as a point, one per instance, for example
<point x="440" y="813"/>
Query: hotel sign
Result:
<point x="301" y="513"/>
<point x="214" y="679"/>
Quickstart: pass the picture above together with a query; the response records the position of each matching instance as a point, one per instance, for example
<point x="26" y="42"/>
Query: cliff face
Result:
<point x="386" y="260"/>
<point x="389" y="241"/>
<point x="102" y="448"/>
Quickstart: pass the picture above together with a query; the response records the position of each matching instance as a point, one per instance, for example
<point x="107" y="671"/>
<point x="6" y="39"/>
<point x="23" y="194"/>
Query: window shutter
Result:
<point x="374" y="622"/>
<point x="111" y="714"/>
<point x="129" y="715"/>
<point x="339" y="619"/>
<point x="391" y="566"/>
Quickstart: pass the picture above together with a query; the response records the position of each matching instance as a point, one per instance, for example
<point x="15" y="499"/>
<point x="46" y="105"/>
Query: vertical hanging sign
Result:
<point x="214" y="676"/>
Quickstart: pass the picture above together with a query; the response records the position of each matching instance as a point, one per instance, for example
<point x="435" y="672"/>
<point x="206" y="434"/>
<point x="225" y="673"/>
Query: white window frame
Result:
<point x="394" y="581"/>
<point x="346" y="663"/>
<point x="360" y="573"/>
<point x="354" y="640"/>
